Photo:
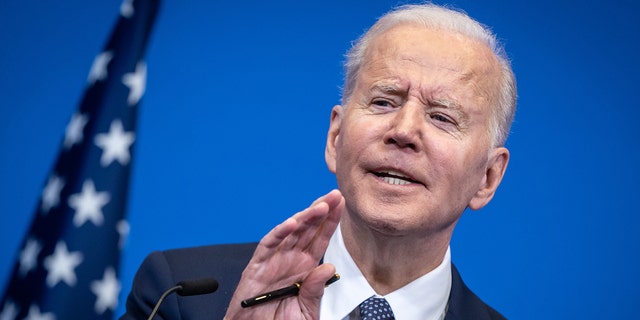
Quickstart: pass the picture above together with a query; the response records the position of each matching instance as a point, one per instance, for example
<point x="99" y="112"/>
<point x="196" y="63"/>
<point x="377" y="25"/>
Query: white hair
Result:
<point x="441" y="18"/>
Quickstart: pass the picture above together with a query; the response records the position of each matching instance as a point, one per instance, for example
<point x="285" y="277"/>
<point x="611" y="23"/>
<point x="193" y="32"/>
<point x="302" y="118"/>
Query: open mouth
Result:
<point x="394" y="177"/>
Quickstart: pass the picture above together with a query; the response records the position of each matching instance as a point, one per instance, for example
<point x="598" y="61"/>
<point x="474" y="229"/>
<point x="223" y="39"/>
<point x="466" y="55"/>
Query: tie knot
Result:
<point x="376" y="308"/>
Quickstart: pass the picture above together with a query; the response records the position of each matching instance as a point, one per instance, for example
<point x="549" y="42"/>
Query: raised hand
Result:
<point x="290" y="252"/>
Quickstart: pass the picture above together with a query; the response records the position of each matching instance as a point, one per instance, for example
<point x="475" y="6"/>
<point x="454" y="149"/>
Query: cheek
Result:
<point x="456" y="168"/>
<point x="353" y="147"/>
<point x="466" y="173"/>
<point x="347" y="150"/>
<point x="355" y="138"/>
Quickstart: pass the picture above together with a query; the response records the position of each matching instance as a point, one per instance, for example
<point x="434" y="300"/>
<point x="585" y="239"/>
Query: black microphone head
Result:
<point x="196" y="287"/>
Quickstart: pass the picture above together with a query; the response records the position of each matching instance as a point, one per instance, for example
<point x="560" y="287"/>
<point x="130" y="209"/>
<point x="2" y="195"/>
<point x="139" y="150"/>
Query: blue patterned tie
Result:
<point x="376" y="309"/>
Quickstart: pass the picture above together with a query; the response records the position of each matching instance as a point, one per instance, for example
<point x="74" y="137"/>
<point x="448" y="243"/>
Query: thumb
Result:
<point x="312" y="290"/>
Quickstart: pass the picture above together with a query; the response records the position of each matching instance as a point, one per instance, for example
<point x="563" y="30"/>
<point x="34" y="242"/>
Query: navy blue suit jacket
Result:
<point x="162" y="270"/>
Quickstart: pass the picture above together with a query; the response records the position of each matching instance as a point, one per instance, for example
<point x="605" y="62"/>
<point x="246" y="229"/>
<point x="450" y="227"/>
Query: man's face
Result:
<point x="411" y="149"/>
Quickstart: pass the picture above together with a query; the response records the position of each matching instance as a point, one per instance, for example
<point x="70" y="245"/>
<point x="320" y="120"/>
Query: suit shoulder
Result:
<point x="210" y="258"/>
<point x="162" y="269"/>
<point x="216" y="250"/>
<point x="464" y="304"/>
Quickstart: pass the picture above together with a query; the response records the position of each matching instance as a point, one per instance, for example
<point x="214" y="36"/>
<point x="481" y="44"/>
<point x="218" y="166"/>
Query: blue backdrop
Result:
<point x="232" y="130"/>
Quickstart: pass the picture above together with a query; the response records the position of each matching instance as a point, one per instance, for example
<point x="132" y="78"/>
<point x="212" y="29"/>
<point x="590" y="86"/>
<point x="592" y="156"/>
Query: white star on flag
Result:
<point x="115" y="144"/>
<point x="126" y="8"/>
<point x="9" y="312"/>
<point x="61" y="264"/>
<point x="136" y="82"/>
<point x="29" y="256"/>
<point x="34" y="314"/>
<point x="88" y="204"/>
<point x="99" y="67"/>
<point x="73" y="133"/>
<point x="51" y="193"/>
<point x="106" y="291"/>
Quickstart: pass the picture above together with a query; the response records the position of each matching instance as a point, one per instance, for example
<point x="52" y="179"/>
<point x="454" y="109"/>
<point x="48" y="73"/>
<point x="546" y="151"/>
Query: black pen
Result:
<point x="289" y="291"/>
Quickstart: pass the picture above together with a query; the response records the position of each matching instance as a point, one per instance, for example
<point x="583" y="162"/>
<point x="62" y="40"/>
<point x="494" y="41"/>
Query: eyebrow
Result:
<point x="455" y="107"/>
<point x="390" y="87"/>
<point x="447" y="103"/>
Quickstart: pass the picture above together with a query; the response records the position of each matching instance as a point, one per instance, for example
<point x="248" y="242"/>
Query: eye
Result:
<point x="442" y="118"/>
<point x="382" y="103"/>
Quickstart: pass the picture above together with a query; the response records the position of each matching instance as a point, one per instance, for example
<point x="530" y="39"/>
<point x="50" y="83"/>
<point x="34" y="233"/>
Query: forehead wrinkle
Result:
<point x="470" y="85"/>
<point x="461" y="76"/>
<point x="472" y="81"/>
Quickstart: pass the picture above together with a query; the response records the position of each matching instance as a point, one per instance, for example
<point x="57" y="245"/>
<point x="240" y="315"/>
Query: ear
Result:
<point x="332" y="137"/>
<point x="496" y="167"/>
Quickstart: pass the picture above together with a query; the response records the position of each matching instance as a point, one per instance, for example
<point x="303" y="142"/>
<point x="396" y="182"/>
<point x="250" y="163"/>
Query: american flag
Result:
<point x="68" y="265"/>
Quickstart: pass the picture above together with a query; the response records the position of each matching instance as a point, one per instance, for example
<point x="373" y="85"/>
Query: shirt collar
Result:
<point x="423" y="298"/>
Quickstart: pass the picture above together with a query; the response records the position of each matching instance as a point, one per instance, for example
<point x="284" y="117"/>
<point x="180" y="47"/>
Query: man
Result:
<point x="428" y="101"/>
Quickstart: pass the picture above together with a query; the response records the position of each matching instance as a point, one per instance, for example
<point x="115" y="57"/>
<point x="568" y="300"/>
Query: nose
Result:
<point x="405" y="129"/>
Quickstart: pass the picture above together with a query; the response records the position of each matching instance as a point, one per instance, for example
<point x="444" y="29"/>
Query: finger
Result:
<point x="319" y="245"/>
<point x="299" y="231"/>
<point x="311" y="225"/>
<point x="269" y="243"/>
<point x="286" y="235"/>
<point x="330" y="198"/>
<point x="311" y="219"/>
<point x="310" y="216"/>
<point x="336" y="206"/>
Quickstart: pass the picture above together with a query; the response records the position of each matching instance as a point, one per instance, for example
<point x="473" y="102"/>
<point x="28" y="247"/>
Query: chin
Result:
<point x="387" y="228"/>
<point x="388" y="225"/>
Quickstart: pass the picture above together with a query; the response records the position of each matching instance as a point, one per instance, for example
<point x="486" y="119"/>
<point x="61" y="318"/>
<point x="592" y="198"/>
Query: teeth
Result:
<point x="396" y="181"/>
<point x="394" y="177"/>
<point x="394" y="173"/>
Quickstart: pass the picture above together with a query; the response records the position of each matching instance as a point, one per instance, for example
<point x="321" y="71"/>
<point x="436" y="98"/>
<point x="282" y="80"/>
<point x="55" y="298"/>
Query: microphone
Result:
<point x="187" y="288"/>
<point x="197" y="287"/>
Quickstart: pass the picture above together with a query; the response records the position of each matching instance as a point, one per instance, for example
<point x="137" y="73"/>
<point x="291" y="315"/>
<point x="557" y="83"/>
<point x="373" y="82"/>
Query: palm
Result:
<point x="290" y="253"/>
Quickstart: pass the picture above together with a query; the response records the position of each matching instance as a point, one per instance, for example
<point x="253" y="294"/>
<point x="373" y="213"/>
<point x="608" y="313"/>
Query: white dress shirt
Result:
<point x="424" y="298"/>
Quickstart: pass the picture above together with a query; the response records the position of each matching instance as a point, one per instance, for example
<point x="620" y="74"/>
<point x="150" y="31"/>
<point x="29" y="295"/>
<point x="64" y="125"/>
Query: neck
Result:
<point x="389" y="262"/>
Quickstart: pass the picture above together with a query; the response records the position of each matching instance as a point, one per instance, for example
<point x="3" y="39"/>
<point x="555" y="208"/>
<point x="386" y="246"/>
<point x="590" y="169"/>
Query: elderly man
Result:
<point x="428" y="101"/>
